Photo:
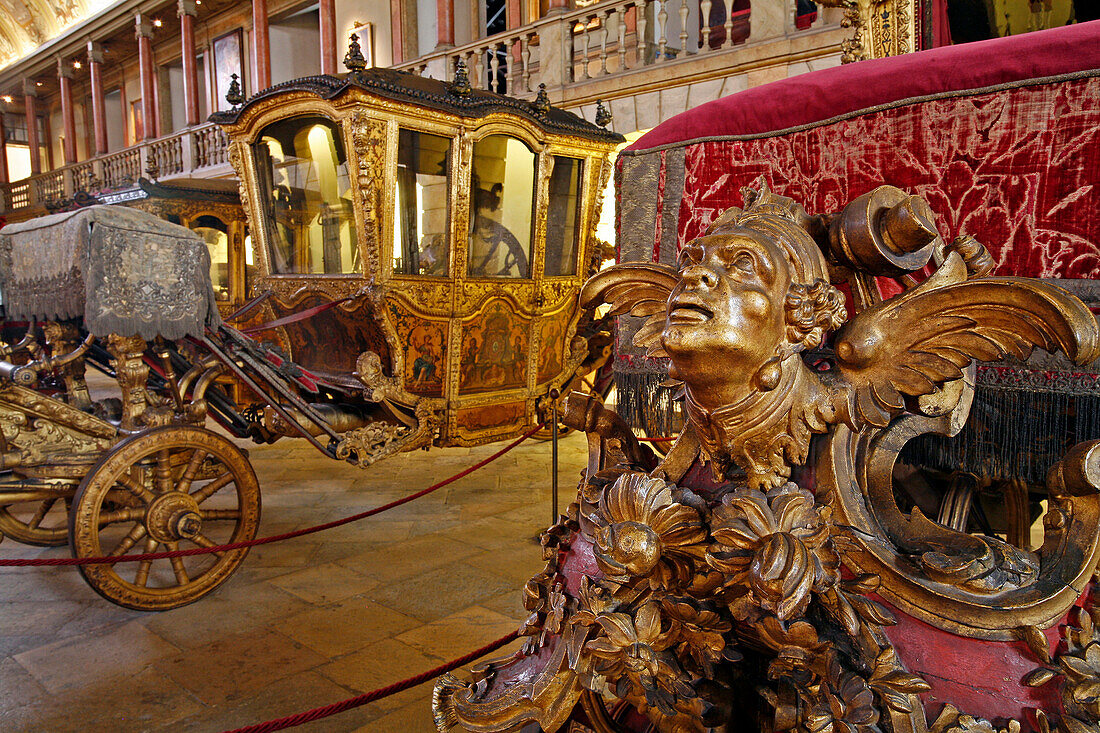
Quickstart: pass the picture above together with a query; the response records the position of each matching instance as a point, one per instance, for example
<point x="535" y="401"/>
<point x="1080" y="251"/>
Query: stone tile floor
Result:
<point x="302" y="623"/>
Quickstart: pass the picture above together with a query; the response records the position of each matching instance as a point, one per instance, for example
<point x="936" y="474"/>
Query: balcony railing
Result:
<point x="611" y="39"/>
<point x="196" y="150"/>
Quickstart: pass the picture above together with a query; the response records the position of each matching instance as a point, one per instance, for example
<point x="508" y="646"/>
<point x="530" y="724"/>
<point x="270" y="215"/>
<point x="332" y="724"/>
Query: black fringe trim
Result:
<point x="648" y="406"/>
<point x="1011" y="433"/>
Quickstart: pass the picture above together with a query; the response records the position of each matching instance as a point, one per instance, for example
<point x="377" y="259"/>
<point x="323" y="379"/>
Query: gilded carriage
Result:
<point x="439" y="234"/>
<point x="419" y="251"/>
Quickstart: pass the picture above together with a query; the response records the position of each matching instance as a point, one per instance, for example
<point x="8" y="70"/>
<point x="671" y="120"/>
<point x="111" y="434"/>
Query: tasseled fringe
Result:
<point x="1011" y="433"/>
<point x="646" y="405"/>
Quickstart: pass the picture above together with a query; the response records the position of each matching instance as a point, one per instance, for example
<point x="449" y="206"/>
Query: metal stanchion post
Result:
<point x="554" y="457"/>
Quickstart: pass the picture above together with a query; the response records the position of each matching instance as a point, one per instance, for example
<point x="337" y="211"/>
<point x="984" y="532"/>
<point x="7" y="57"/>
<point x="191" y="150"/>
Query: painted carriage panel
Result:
<point x="494" y="350"/>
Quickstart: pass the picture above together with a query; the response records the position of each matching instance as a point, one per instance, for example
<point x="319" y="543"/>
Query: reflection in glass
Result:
<point x="563" y="216"/>
<point x="502" y="201"/>
<point x="303" y="175"/>
<point x="216" y="235"/>
<point x="420" y="245"/>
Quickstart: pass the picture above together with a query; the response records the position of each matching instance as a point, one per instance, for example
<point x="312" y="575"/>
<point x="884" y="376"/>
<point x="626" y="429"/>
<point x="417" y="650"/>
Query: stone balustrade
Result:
<point x="196" y="151"/>
<point x="581" y="54"/>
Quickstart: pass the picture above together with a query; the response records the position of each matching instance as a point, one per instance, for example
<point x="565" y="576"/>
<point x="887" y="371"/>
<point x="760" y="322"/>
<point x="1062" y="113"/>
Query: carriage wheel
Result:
<point x="42" y="522"/>
<point x="169" y="488"/>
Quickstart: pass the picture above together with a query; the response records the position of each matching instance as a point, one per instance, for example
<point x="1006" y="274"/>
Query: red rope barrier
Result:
<point x="354" y="702"/>
<point x="23" y="562"/>
<point x="656" y="440"/>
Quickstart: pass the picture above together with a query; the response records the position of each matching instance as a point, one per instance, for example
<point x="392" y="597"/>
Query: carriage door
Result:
<point x="497" y="302"/>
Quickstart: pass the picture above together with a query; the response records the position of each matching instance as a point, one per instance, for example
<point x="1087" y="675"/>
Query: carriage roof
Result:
<point x="408" y="88"/>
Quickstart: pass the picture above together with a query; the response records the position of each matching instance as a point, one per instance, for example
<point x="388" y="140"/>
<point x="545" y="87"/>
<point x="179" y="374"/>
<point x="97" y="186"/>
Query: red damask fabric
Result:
<point x="1018" y="168"/>
<point x="821" y="95"/>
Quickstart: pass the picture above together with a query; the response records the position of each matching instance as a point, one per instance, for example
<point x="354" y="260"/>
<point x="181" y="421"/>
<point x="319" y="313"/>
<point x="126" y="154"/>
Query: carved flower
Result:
<point x="630" y="649"/>
<point x="797" y="647"/>
<point x="698" y="629"/>
<point x="641" y="531"/>
<point x="775" y="545"/>
<point x="1082" y="671"/>
<point x="845" y="704"/>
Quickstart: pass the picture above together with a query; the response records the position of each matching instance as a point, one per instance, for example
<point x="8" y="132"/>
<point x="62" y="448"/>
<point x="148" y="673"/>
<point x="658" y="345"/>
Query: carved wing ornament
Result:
<point x="766" y="559"/>
<point x="910" y="345"/>
<point x="640" y="289"/>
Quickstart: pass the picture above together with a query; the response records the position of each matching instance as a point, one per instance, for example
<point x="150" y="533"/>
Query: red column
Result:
<point x="397" y="34"/>
<point x="445" y="23"/>
<point x="3" y="153"/>
<point x="68" y="120"/>
<point x="187" y="12"/>
<point x="30" y="98"/>
<point x="327" y="11"/>
<point x="143" y="29"/>
<point x="99" y="114"/>
<point x="261" y="47"/>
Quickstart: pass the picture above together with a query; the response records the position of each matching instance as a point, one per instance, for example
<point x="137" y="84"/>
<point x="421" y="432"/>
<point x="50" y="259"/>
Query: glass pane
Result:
<point x="217" y="242"/>
<point x="420" y="243"/>
<point x="563" y="217"/>
<point x="502" y="199"/>
<point x="302" y="171"/>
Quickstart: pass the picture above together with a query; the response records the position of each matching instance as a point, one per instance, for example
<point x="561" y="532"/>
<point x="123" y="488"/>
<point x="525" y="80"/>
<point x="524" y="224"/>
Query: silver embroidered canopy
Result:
<point x="123" y="271"/>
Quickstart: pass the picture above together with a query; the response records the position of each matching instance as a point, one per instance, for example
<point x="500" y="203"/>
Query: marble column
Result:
<point x="30" y="105"/>
<point x="143" y="29"/>
<point x="68" y="118"/>
<point x="261" y="47"/>
<point x="99" y="114"/>
<point x="187" y="10"/>
<point x="3" y="154"/>
<point x="397" y="33"/>
<point x="445" y="23"/>
<point x="327" y="12"/>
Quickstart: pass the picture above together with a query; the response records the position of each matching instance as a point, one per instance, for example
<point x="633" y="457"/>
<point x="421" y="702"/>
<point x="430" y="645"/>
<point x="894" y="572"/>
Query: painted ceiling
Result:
<point x="27" y="24"/>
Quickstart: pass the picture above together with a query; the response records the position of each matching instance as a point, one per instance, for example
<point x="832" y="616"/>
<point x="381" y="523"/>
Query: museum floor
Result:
<point x="302" y="623"/>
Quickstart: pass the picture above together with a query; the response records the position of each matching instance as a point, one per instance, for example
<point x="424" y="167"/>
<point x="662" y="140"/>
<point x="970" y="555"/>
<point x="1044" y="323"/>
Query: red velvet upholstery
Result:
<point x="1016" y="165"/>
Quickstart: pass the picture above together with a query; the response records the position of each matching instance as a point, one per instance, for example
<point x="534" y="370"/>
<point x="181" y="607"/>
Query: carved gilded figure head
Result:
<point x="752" y="291"/>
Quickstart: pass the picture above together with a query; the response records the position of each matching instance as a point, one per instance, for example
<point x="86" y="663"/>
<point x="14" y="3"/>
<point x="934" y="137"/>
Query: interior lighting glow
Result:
<point x="6" y="99"/>
<point x="76" y="64"/>
<point x="158" y="23"/>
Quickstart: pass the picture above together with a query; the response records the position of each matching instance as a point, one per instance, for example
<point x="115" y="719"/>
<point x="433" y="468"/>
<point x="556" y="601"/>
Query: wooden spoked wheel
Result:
<point x="41" y="520"/>
<point x="169" y="488"/>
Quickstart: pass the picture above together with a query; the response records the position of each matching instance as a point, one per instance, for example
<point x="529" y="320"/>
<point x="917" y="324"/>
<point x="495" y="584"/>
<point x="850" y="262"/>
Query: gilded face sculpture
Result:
<point x="726" y="316"/>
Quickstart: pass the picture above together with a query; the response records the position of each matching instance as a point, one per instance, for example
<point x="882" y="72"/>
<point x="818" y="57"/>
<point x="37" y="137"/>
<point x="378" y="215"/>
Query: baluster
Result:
<point x="505" y="57"/>
<point x="640" y="22"/>
<point x="704" y="13"/>
<point x="662" y="23"/>
<point x="584" y="58"/>
<point x="729" y="23"/>
<point x="620" y="18"/>
<point x="494" y="67"/>
<point x="525" y="54"/>
<point x="684" y="26"/>
<point x="605" y="21"/>
<point x="511" y="47"/>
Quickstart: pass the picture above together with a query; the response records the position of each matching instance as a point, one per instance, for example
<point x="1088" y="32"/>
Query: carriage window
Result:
<point x="502" y="200"/>
<point x="563" y="216"/>
<point x="421" y="245"/>
<point x="216" y="235"/>
<point x="303" y="173"/>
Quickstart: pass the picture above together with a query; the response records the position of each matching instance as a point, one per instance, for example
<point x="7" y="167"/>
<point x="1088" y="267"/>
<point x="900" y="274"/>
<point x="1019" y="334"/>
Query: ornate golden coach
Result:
<point x="439" y="233"/>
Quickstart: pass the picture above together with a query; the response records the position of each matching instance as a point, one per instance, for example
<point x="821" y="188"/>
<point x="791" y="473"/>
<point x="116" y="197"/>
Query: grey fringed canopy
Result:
<point x="122" y="271"/>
